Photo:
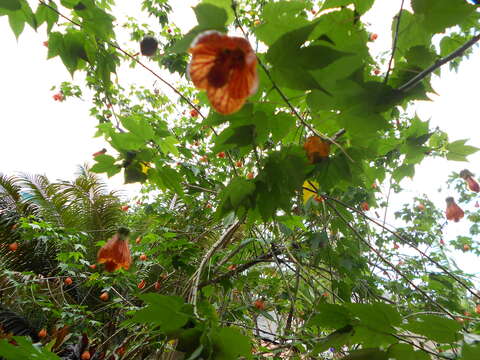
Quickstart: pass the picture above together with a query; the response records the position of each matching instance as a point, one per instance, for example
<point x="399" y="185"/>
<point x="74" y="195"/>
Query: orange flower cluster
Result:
<point x="316" y="149"/>
<point x="115" y="254"/>
<point x="471" y="182"/>
<point x="226" y="67"/>
<point x="454" y="212"/>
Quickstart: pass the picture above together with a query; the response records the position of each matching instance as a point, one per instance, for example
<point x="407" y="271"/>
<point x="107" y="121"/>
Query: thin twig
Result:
<point x="419" y="77"/>
<point x="394" y="268"/>
<point x="403" y="240"/>
<point x="215" y="247"/>
<point x="395" y="40"/>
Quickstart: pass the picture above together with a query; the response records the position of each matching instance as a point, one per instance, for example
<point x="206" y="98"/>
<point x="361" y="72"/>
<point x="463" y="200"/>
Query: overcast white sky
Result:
<point x="39" y="135"/>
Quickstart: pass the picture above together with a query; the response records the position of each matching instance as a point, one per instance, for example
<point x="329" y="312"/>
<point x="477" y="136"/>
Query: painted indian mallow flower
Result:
<point x="453" y="212"/>
<point x="115" y="254"/>
<point x="226" y="67"/>
<point x="470" y="180"/>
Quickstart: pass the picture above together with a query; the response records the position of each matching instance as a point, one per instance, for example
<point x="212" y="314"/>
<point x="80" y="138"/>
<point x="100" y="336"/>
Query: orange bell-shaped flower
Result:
<point x="226" y="67"/>
<point x="472" y="184"/>
<point x="469" y="178"/>
<point x="316" y="149"/>
<point x="453" y="210"/>
<point x="115" y="254"/>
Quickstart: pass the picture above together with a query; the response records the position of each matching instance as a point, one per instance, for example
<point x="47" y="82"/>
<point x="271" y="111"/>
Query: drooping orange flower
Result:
<point x="471" y="182"/>
<point x="226" y="67"/>
<point x="115" y="254"/>
<point x="453" y="210"/>
<point x="316" y="149"/>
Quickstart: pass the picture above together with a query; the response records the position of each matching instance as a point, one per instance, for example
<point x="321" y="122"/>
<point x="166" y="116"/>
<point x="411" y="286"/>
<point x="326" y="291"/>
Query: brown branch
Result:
<point x="419" y="77"/>
<point x="262" y="258"/>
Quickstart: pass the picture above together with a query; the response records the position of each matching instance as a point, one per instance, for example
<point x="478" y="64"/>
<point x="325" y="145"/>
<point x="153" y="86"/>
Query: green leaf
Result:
<point x="331" y="316"/>
<point x="405" y="352"/>
<point x="336" y="339"/>
<point x="126" y="141"/>
<point x="17" y="22"/>
<point x="440" y="15"/>
<point x="11" y="5"/>
<point x="361" y="6"/>
<point x="435" y="328"/>
<point x="225" y="5"/>
<point x="167" y="145"/>
<point x="420" y="56"/>
<point x="165" y="311"/>
<point x="458" y="151"/>
<point x="209" y="17"/>
<point x="411" y="32"/>
<point x="24" y="350"/>
<point x="139" y="126"/>
<point x="229" y="343"/>
<point x="170" y="179"/>
<point x="95" y="19"/>
<point x="241" y="136"/>
<point x="236" y="195"/>
<point x="45" y="14"/>
<point x="379" y="317"/>
<point x="367" y="354"/>
<point x="105" y="164"/>
<point x="280" y="18"/>
<point x="470" y="352"/>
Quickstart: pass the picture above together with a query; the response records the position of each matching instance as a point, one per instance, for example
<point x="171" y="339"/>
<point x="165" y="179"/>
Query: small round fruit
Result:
<point x="68" y="281"/>
<point x="442" y="242"/>
<point x="125" y="207"/>
<point x="204" y="158"/>
<point x="364" y="205"/>
<point x="104" y="296"/>
<point x="232" y="267"/>
<point x="376" y="71"/>
<point x="466" y="247"/>
<point x="250" y="175"/>
<point x="138" y="240"/>
<point x="239" y="164"/>
<point x="421" y="207"/>
<point x="373" y="37"/>
<point x="157" y="285"/>
<point x="143" y="257"/>
<point x="148" y="46"/>
<point x="259" y="304"/>
<point x="221" y="155"/>
<point x="141" y="284"/>
<point x="13" y="246"/>
<point x="193" y="113"/>
<point x="208" y="206"/>
<point x="85" y="355"/>
<point x="42" y="333"/>
<point x="92" y="266"/>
